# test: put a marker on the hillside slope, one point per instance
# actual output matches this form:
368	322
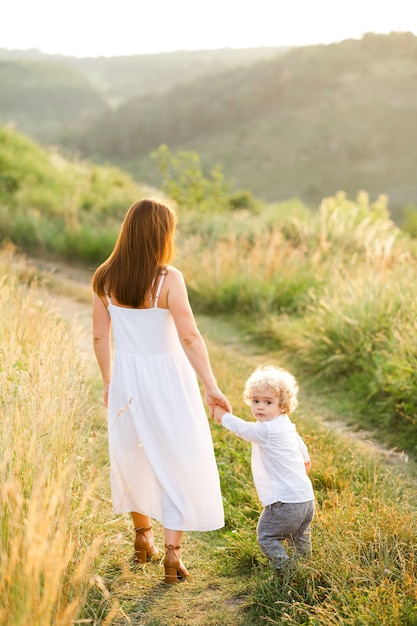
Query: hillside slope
42	99
308	123
121	78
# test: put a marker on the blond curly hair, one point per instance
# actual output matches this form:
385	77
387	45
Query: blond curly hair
275	379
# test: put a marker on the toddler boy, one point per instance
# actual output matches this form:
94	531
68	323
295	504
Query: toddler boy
280	462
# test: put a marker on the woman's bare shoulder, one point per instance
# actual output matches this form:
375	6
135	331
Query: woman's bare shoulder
175	292
174	273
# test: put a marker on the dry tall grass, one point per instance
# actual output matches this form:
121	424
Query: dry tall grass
45	563
334	289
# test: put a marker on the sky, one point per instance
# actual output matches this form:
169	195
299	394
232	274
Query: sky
92	28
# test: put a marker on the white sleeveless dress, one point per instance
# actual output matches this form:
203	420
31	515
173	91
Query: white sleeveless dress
162	460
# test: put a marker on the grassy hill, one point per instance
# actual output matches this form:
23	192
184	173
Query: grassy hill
50	205
66	558
329	294
304	124
333	288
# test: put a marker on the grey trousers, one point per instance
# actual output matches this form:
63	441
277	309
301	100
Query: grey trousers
285	521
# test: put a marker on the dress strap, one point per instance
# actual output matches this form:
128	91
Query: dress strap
158	291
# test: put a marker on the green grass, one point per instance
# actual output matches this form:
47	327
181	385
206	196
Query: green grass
334	288
362	570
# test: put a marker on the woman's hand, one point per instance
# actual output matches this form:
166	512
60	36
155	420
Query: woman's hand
215	397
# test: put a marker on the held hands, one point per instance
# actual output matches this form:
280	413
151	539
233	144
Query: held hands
218	413
215	398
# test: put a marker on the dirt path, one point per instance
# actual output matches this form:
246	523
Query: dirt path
68	289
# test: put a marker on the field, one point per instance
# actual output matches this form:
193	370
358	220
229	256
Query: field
65	558
328	293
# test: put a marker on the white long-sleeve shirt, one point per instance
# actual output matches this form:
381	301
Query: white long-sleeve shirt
278	458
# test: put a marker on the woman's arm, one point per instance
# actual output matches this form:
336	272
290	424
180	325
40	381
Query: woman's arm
191	340
102	342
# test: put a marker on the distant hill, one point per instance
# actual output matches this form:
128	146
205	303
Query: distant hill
300	122
42	99
123	77
307	123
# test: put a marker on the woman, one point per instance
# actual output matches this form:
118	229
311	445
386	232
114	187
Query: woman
161	453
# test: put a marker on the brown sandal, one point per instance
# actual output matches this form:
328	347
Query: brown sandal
145	548
175	569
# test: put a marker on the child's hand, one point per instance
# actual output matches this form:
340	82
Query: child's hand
218	413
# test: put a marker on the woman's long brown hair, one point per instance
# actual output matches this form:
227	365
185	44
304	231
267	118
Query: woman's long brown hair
144	246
